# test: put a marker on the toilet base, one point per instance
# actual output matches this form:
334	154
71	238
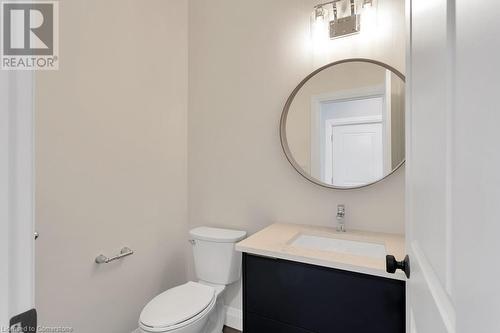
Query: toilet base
217	317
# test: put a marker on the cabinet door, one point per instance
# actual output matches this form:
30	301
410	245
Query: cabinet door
322	300
258	324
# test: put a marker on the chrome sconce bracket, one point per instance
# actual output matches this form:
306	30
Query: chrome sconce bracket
344	21
345	26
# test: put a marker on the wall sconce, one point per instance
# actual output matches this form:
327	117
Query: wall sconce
338	18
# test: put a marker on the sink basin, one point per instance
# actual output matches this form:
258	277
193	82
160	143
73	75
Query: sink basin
365	249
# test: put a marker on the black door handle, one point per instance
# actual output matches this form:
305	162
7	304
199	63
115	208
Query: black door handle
392	265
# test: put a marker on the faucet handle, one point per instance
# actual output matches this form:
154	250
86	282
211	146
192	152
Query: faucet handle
340	211
340	218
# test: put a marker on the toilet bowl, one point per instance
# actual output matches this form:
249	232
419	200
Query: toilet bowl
188	308
198	307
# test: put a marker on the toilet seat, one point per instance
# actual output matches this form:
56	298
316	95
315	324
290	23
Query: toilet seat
178	307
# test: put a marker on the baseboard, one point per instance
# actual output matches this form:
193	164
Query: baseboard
234	318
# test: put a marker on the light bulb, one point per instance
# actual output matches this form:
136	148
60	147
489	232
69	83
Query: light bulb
369	18
319	25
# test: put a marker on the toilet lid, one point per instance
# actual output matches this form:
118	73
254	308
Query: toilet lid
177	305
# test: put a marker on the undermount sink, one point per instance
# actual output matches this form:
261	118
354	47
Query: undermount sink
358	248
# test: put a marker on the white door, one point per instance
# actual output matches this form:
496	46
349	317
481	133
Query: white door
357	154
429	169
453	169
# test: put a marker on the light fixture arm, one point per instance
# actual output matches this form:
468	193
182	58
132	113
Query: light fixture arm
326	3
335	1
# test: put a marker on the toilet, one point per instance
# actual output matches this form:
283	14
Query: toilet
198	307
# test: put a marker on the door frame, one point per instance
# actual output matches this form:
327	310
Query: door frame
317	144
17	196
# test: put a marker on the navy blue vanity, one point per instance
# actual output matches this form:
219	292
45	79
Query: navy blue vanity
281	296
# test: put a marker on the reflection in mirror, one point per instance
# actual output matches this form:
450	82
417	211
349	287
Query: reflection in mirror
344	125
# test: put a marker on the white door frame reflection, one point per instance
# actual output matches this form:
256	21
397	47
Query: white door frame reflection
327	114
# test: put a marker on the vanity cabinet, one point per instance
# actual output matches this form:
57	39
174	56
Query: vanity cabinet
281	296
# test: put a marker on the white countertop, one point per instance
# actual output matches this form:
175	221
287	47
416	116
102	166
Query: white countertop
275	241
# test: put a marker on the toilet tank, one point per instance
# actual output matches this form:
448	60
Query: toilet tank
215	258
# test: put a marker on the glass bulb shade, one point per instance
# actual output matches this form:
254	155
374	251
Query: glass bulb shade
320	21
369	18
320	13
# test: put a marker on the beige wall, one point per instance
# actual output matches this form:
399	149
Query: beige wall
244	60
111	159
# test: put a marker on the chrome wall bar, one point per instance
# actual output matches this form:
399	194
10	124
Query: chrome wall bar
102	259
335	1
326	3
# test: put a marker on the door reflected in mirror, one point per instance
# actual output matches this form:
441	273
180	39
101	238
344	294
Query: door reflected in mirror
344	125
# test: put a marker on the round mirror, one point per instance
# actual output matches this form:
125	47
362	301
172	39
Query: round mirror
343	126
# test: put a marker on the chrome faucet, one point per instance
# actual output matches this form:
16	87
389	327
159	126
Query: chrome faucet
341	218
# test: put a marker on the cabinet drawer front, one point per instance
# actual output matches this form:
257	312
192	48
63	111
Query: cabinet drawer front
321	299
258	324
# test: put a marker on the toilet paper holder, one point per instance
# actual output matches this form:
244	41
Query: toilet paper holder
102	259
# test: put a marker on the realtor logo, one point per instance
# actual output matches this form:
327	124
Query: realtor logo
29	36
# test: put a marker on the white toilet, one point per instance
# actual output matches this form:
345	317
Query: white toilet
198	307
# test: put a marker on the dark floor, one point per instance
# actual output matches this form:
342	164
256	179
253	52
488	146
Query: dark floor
230	330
